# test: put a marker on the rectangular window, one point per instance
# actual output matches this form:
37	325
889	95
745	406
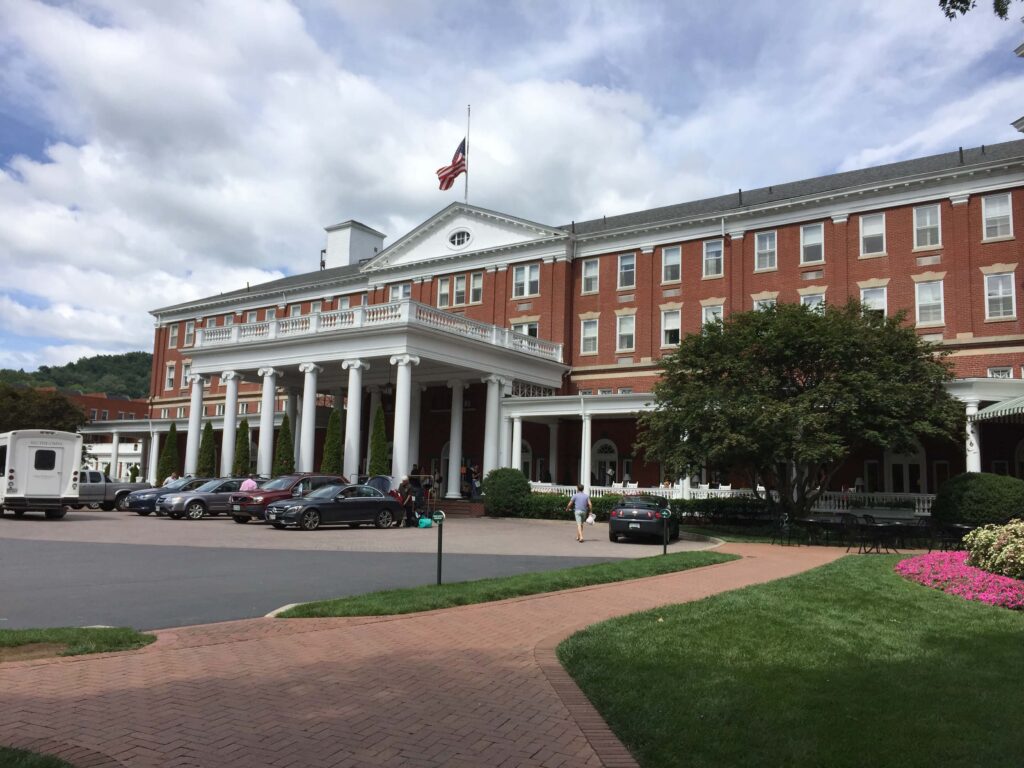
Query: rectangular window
872	234
995	209
92	414
813	300
873	300
999	299
626	333
812	244
444	292
671	264
295	310
526	280
402	291
229	319
218	409
605	391
712	314
315	307
105	415
243	408
588	337
1000	373
180	412
172	336
527	329
45	459
625	390
343	302
713	258
460	290
169	377
929	302
250	316
186	369
163	413
271	313
670	327
190	333
627	270
591	272
764	254
476	288
927	233
764	304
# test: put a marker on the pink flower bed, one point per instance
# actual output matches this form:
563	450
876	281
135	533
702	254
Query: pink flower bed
949	572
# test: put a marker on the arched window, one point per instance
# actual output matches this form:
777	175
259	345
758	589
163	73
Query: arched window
605	462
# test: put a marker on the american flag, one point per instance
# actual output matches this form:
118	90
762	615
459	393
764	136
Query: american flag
449	173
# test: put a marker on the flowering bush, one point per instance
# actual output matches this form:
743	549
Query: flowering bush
949	572
998	548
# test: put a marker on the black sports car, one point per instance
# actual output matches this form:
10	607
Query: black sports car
351	505
642	516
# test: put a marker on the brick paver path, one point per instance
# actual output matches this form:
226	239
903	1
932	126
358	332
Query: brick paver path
473	686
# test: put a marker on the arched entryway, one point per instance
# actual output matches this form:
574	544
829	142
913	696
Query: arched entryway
526	461
605	462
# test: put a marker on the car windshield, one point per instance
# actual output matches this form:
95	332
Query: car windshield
208	486
643	502
278	484
325	492
174	485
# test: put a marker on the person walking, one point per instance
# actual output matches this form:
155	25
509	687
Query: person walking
580	506
249	484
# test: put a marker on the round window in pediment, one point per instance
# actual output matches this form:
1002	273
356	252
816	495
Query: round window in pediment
459	238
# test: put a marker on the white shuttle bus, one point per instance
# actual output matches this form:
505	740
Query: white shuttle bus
40	471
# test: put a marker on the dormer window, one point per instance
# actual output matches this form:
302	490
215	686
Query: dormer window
459	238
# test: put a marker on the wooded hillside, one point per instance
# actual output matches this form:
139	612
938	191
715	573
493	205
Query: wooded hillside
126	375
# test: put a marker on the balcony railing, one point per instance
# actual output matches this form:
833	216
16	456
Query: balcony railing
397	313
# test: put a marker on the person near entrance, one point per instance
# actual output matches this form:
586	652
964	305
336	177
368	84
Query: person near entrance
580	506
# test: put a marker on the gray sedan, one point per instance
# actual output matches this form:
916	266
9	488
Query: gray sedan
211	498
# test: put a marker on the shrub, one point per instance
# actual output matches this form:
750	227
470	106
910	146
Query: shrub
506	493
207	464
168	456
979	498
731	510
380	461
284	451
332	459
998	549
243	461
133	473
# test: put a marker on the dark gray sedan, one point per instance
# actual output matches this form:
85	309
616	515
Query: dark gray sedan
351	505
211	498
143	502
642	517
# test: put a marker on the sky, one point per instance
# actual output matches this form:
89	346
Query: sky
154	152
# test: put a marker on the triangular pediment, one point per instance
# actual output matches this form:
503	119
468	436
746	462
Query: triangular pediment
461	229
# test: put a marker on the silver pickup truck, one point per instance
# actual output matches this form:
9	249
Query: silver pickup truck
96	489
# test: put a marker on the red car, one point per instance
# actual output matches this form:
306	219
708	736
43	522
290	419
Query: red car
252	505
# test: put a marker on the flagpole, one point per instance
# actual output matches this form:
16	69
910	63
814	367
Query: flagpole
466	188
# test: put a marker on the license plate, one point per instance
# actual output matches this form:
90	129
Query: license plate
236	507
271	516
634	525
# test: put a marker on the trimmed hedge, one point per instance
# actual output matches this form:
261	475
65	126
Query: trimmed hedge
506	493
998	549
979	498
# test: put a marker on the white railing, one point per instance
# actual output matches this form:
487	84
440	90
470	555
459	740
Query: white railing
377	315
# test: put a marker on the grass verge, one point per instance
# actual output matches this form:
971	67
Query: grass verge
78	640
19	758
428	598
757	534
846	665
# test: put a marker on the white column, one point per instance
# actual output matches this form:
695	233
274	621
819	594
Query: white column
455	442
154	460
268	405
415	415
585	453
403	412
973	447
353	415
308	416
374	405
553	451
686	485
506	439
227	440
492	447
195	424
115	446
517	442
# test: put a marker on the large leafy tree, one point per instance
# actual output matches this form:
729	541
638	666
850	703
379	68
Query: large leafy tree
207	464
785	395
168	462
242	458
284	451
25	408
380	460
954	8
332	461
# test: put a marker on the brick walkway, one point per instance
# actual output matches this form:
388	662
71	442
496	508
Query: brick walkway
474	686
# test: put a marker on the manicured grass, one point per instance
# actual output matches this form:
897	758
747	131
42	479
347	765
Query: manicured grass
78	640
395	601
846	665
19	758
753	533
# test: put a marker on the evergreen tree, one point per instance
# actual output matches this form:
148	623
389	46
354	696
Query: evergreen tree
380	463
168	456
332	462
207	466
242	459
284	452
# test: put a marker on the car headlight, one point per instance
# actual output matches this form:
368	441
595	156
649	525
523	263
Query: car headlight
294	509
257	499
174	499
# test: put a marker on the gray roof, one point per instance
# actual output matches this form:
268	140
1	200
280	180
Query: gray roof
730	204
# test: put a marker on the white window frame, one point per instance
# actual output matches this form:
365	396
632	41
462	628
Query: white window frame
589	264
919	228
760	304
243	407
444	292
804	245
180	414
720	258
815	301
918	305
524	278
667	326
186	370
586	338
985	202
229	319
250	316
400	291
190	333
1006	277
343	302
870	219
316	307
1000	372
218	409
170	376
525	328
624	259
885	299
672	259
459	291
163	413
765	257
711	313
172	336
295	310
271	314
476	288
620	332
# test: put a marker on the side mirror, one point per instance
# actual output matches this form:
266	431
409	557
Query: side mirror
296	491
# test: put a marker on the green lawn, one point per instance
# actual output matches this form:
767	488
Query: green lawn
18	758
846	665
78	640
428	598
753	533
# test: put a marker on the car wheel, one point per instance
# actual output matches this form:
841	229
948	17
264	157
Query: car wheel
55	514
107	506
239	519
279	526
19	513
613	536
384	519
310	520
195	510
122	502
143	512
